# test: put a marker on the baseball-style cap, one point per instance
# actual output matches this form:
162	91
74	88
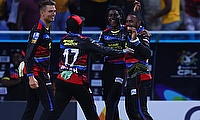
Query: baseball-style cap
13	51
74	21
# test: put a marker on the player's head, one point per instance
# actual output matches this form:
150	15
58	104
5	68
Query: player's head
17	56
134	19
114	16
44	3
47	10
75	24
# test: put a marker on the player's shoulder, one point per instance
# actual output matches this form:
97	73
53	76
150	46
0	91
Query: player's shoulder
106	30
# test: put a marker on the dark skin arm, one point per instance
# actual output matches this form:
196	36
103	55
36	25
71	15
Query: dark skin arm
9	83
143	47
137	6
168	5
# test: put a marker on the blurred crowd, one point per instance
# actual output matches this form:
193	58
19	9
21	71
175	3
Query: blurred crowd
157	15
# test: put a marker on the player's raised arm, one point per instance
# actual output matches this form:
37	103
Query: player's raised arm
137	6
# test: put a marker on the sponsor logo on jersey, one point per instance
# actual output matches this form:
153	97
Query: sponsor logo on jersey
133	92
35	37
70	43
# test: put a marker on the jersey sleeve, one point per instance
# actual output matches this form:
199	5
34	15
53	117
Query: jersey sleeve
92	46
34	38
143	48
6	75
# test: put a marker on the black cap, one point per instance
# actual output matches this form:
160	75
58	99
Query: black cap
13	51
74	22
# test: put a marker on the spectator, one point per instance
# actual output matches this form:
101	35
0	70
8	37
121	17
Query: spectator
37	59
62	13
3	15
12	19
28	14
192	17
15	84
170	14
9	4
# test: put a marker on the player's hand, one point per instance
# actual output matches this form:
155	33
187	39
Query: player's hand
137	6
133	32
21	69
129	50
145	33
33	82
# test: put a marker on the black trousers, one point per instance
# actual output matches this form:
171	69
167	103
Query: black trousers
113	81
64	93
136	99
44	94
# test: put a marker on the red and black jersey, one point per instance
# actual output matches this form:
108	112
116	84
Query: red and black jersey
38	49
74	55
141	50
140	57
116	40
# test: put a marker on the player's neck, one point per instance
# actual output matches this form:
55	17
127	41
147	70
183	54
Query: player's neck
46	22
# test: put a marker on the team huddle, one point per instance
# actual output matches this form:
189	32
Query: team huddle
125	48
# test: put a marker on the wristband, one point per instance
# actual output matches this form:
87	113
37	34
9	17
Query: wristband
135	40
136	43
30	74
124	51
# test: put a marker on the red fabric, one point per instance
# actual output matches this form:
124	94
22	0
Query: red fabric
74	79
130	59
77	18
39	26
145	77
